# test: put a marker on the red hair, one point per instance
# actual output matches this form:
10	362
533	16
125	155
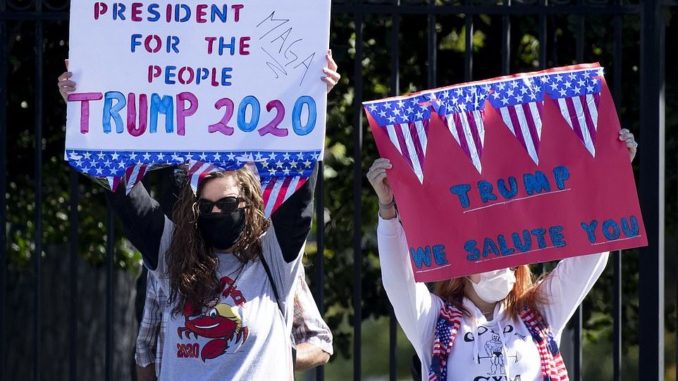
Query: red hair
524	292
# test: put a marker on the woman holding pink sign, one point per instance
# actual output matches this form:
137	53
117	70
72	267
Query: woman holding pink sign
495	325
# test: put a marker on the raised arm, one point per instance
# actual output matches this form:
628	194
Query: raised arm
292	220
415	307
142	220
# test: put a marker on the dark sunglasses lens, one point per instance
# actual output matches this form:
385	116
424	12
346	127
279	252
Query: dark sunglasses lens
205	206
228	204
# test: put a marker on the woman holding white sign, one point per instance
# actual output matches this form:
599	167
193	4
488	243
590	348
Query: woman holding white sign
228	269
493	325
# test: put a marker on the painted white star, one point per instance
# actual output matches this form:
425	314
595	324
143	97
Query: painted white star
558	77
217	156
401	104
563	92
462	107
514	84
115	156
420	115
271	172
533	96
121	165
230	156
279	164
468	98
307	163
387	105
286	171
265	164
396	112
391	119
107	163
505	101
554	86
501	86
523	90
510	92
382	113
133	156
568	84
147	156
99	171
372	107
101	155
78	163
545	79
87	155
519	98
577	90
294	163
589	89
409	110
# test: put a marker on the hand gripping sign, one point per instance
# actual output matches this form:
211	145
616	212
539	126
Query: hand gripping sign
214	85
514	170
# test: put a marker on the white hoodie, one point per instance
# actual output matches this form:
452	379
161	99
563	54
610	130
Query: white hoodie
497	350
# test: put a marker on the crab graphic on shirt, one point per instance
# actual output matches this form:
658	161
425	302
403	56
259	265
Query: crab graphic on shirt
219	322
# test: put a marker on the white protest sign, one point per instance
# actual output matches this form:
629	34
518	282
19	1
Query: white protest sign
220	83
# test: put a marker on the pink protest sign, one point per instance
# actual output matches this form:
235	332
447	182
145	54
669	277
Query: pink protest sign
514	170
210	84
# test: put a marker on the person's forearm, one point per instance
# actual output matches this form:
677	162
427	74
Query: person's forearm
146	373
309	356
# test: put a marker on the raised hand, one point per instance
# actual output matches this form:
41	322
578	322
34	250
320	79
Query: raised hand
330	75
631	144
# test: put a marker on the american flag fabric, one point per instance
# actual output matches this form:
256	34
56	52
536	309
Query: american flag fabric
520	102
577	94
406	122
447	327
552	365
198	170
281	173
462	111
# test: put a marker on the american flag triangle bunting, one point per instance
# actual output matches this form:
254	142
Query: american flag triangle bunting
520	102
577	95
406	122
462	112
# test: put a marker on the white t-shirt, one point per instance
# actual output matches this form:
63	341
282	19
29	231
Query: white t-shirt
241	336
497	350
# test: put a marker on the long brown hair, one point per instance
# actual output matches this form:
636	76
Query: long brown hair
524	293
192	265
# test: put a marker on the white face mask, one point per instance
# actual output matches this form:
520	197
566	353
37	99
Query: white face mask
495	285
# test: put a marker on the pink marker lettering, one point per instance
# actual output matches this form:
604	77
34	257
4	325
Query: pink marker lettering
84	107
183	112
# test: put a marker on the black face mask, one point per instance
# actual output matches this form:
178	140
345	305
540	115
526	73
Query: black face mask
221	230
